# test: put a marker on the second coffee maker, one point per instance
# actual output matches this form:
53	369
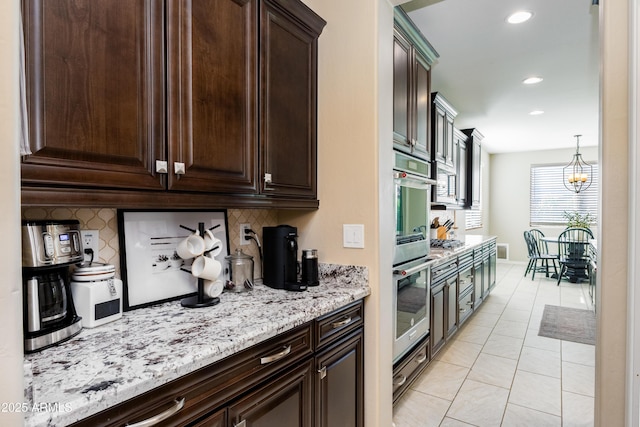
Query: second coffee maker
280	263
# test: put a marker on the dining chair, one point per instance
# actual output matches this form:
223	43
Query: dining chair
572	253
535	255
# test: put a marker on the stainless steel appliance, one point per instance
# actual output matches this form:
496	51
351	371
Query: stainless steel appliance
280	259
411	207
411	284
411	274
49	248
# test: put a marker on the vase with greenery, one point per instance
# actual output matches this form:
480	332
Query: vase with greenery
576	219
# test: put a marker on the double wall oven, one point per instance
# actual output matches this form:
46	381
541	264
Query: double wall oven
411	271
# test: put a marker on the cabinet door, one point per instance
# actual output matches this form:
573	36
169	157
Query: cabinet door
437	319
422	111
95	92
217	419
439	130
211	105
401	92
451	297
339	385
478	286
288	98
476	170
448	141
284	402
462	171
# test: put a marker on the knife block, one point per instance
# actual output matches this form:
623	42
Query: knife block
442	233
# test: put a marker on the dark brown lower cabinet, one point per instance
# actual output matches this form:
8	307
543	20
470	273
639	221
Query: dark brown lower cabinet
339	384
312	372
283	402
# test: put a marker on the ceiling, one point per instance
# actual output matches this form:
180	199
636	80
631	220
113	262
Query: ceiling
483	61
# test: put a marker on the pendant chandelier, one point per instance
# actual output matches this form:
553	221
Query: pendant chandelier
578	174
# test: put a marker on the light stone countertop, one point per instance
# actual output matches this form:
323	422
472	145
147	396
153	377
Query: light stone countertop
149	347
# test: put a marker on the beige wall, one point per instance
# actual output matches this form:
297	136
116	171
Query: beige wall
509	188
613	242
11	370
350	76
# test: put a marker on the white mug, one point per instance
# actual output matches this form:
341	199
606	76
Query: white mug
190	247
206	268
213	288
211	241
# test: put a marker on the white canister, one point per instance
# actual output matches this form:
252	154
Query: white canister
97	294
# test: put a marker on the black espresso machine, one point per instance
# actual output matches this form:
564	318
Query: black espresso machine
49	248
280	263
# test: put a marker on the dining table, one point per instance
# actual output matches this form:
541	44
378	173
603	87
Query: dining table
573	274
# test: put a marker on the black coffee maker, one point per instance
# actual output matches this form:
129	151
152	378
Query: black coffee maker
49	248
280	259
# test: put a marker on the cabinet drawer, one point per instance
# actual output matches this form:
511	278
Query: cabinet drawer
332	326
409	368
211	387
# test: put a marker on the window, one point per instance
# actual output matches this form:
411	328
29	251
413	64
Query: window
472	219
550	198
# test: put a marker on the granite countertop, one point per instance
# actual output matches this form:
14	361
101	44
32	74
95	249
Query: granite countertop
149	347
470	242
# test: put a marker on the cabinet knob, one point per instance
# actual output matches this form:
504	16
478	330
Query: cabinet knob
161	166
178	168
323	372
267	178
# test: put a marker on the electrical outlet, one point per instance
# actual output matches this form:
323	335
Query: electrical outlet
243	233
90	240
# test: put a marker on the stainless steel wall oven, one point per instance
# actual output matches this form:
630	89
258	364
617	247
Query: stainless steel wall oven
411	274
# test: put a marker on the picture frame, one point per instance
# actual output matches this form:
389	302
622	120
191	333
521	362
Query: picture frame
151	272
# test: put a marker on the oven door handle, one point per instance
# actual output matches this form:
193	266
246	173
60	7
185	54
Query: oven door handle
410	271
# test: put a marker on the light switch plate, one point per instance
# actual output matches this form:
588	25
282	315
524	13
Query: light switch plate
353	235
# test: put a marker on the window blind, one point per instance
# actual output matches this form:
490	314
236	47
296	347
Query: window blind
472	219
549	198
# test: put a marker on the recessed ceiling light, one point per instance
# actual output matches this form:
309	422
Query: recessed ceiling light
532	80
519	17
536	112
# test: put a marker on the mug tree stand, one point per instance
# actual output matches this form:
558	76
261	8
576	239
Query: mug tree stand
199	300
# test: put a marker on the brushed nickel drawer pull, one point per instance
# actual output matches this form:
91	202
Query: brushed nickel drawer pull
343	322
401	382
268	359
421	360
177	405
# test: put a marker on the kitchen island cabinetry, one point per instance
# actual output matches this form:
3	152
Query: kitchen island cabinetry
109	126
412	60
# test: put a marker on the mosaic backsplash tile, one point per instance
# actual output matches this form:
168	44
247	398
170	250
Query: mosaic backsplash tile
106	222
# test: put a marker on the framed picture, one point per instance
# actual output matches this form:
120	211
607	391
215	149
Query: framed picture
151	270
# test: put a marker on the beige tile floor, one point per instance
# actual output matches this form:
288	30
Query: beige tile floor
497	371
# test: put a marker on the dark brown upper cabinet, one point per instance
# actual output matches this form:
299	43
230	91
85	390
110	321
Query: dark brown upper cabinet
288	98
127	97
474	167
412	60
442	136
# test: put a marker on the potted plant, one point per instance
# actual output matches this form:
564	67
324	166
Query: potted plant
576	219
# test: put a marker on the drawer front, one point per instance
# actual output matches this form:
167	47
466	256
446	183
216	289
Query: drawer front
465	305
409	368
332	326
212	386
